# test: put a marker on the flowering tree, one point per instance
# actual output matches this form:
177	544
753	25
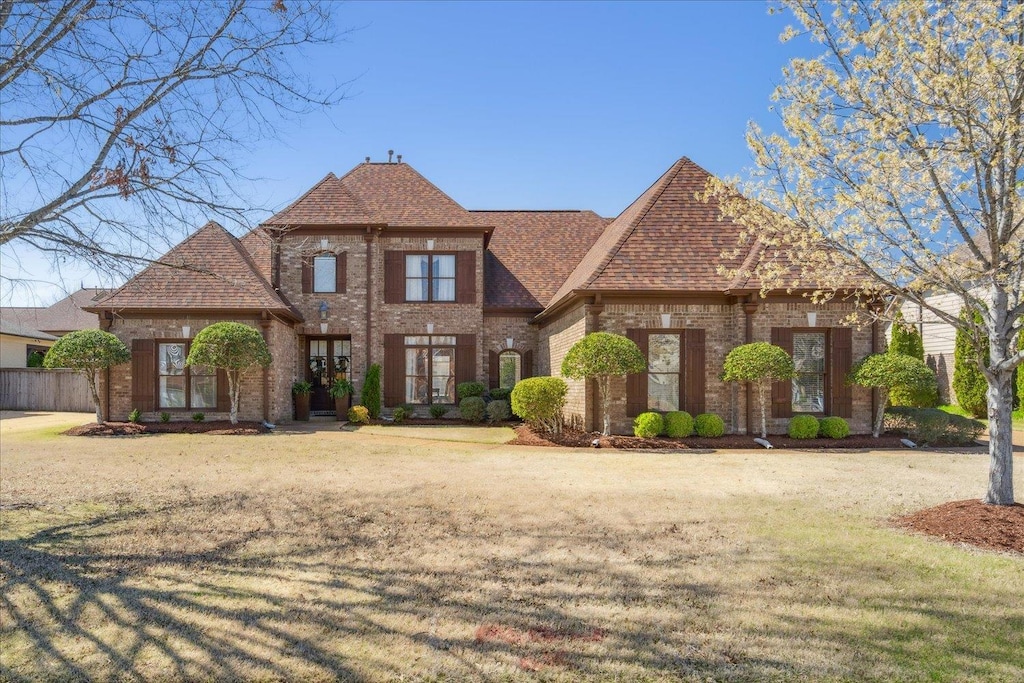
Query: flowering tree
760	363
232	347
88	352
603	355
900	168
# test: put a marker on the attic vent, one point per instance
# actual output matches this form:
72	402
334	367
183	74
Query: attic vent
391	153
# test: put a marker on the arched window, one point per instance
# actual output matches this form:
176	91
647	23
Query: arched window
510	369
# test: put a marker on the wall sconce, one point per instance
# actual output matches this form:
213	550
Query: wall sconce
666	320
509	342
430	328
812	318
323	310
324	243
186	330
430	245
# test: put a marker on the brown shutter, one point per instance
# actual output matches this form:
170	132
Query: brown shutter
693	384
223	395
527	368
840	363
394	369
394	277
782	392
465	277
636	383
465	358
340	273
493	369
143	374
307	274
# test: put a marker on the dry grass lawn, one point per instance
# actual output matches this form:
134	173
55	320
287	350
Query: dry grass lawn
369	555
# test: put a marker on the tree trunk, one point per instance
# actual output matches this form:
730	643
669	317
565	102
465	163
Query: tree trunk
233	393
764	417
93	377
883	400
999	375
602	387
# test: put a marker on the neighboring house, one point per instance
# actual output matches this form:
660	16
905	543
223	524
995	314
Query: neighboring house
380	266
67	315
18	342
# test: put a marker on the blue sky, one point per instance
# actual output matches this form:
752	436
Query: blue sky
525	105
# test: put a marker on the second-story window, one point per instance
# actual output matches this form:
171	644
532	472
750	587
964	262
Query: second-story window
325	273
430	277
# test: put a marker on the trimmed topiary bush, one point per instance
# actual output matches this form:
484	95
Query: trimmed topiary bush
234	348
906	341
469	389
437	411
370	397
803	427
648	425
501	394
759	363
539	401
833	428
601	356
709	425
473	409
678	424
885	371
498	411
359	415
88	352
969	384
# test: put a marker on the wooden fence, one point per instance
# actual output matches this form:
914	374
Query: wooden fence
39	389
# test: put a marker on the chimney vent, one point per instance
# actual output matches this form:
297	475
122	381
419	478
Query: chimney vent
399	157
367	159
391	153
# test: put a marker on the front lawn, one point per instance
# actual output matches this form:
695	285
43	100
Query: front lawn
1018	415
377	555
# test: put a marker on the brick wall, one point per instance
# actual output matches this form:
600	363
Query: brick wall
498	330
554	341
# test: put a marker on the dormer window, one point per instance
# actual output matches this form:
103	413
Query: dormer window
430	277
325	273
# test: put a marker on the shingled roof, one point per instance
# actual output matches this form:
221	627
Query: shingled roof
67	315
669	239
210	270
532	252
389	194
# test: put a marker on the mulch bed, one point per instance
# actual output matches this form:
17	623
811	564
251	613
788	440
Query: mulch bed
526	436
136	428
994	527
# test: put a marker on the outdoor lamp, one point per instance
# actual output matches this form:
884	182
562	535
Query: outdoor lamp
812	318
666	320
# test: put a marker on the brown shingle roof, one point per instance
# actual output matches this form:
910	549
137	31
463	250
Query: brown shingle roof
209	270
668	239
532	252
65	316
376	193
258	243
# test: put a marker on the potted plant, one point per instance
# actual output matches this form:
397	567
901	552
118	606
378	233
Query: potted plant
340	390
301	391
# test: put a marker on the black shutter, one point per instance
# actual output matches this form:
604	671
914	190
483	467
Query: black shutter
636	383
493	369
465	277
465	358
143	375
693	385
394	369
394	277
527	368
340	273
782	392
840	363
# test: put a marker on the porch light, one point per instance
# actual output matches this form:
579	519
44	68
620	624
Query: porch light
430	328
186	330
666	320
812	318
323	310
324	243
430	245
509	342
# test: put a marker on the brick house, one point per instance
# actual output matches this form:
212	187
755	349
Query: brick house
380	266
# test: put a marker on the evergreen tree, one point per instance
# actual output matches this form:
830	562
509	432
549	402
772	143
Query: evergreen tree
907	341
969	383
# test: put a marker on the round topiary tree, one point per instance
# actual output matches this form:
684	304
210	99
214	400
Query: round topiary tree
885	371
88	352
906	341
539	401
760	363
969	383
603	355
232	347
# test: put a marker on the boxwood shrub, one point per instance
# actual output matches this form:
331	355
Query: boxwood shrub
469	389
803	427
539	401
709	425
648	425
678	424
438	410
833	428
473	409
500	394
930	425
498	411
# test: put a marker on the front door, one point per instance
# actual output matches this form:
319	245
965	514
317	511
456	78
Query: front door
329	358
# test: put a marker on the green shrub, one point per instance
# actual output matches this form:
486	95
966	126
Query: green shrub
601	356
359	415
929	425
473	409
803	427
233	348
709	425
35	359
469	389
399	414
969	383
539	401
437	411
301	387
833	428
340	388
759	363
678	424
501	394
198	417
498	411
962	431
88	352
165	417
135	415
648	425
887	371
370	396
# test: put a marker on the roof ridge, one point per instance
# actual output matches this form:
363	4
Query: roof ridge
530	210
664	181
